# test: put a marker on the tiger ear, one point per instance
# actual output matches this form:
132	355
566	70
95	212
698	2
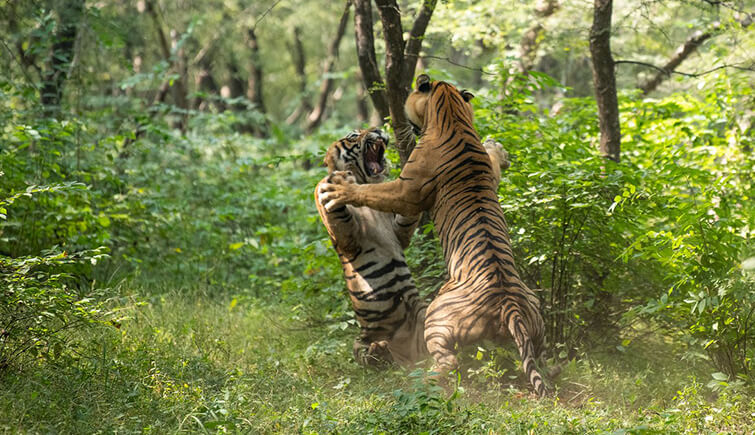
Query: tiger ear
466	95
423	83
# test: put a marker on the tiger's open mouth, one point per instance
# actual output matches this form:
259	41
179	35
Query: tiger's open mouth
373	156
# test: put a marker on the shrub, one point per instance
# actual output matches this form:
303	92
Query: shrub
40	301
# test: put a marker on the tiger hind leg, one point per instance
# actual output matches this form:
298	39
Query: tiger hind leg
372	353
440	338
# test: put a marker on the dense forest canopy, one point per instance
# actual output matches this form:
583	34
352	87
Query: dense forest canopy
163	266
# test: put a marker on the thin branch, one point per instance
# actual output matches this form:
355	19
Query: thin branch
685	74
447	59
317	114
23	69
416	35
265	13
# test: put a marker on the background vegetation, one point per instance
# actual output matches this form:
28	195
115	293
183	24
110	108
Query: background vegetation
163	268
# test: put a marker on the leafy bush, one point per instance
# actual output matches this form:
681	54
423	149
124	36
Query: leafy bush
39	301
659	235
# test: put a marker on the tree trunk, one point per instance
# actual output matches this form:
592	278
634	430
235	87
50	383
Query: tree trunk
365	42
316	116
206	83
363	111
180	90
604	80
254	79
178	86
61	55
390	15
299	60
235	88
689	47
533	36
400	64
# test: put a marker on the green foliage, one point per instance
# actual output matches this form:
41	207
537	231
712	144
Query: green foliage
39	302
161	279
661	234
194	361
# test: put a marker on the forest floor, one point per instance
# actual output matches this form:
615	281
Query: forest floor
192	361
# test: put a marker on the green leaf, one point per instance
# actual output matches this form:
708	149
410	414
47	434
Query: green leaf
104	221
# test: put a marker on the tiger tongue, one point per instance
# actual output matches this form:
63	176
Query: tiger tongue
374	167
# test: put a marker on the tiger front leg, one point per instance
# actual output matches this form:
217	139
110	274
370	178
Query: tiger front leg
398	196
404	227
339	221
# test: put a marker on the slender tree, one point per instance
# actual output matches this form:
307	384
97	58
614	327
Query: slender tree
604	80
55	72
533	36
400	62
316	116
300	63
176	62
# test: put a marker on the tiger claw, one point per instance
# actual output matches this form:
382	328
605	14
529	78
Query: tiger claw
328	201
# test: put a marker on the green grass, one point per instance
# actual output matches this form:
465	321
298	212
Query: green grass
201	362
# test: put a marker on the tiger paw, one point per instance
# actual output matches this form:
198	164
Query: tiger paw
341	177
374	354
496	152
338	190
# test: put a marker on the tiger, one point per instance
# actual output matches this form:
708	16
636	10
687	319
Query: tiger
370	245
449	174
359	158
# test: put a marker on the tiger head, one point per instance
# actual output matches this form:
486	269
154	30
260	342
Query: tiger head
363	153
416	103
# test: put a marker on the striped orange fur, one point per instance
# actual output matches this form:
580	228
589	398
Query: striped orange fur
450	174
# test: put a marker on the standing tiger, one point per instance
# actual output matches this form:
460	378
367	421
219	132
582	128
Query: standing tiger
450	174
370	245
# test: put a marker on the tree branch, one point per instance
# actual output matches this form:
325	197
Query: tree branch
686	74
365	43
316	116
682	53
461	65
416	36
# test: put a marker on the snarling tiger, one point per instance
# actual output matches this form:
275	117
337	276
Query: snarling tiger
370	245
450	174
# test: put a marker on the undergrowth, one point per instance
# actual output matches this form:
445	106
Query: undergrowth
192	361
